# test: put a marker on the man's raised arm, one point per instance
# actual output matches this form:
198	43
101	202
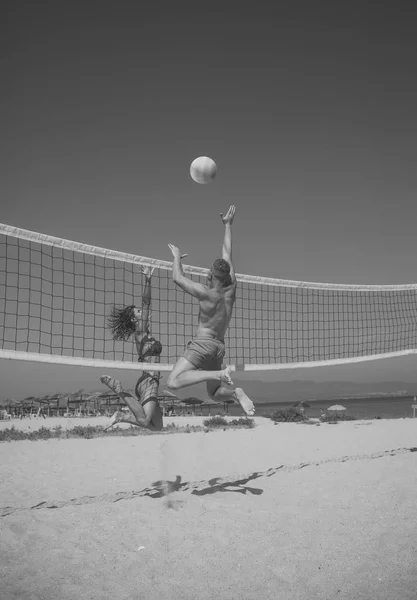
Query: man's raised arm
188	285
177	272
227	242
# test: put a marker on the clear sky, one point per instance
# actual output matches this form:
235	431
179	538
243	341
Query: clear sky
310	115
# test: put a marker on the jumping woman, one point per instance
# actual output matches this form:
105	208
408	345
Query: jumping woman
123	323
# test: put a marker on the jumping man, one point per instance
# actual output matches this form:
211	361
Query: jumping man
204	355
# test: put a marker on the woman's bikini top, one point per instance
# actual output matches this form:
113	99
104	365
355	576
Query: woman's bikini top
154	349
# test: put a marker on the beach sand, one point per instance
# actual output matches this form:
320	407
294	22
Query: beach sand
34	423
280	511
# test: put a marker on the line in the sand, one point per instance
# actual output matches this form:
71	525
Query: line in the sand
237	484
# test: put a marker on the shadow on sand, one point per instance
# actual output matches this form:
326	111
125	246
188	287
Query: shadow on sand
160	489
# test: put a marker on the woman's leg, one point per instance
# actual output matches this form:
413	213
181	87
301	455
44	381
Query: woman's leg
153	418
146	390
154	415
147	417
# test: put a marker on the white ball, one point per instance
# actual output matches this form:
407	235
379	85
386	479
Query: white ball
203	169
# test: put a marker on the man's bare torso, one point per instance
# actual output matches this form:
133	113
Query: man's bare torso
216	311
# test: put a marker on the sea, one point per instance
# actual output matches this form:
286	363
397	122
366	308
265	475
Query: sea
360	408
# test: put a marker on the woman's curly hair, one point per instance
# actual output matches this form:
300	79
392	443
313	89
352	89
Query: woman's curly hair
121	322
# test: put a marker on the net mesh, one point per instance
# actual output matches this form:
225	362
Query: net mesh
55	297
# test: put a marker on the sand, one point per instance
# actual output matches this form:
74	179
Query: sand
288	511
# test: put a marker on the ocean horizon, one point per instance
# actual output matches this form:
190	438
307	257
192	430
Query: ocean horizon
360	408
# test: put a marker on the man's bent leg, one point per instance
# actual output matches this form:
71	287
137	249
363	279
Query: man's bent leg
221	393
185	374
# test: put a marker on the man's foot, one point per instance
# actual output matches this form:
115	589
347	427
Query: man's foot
245	402
115	418
112	383
225	376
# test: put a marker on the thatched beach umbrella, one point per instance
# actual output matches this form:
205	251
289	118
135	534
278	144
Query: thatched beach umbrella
56	402
209	402
12	403
226	402
167	395
103	400
77	398
47	401
29	403
29	400
43	400
191	400
109	400
182	405
167	399
91	400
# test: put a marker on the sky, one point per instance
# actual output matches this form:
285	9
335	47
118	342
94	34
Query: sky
308	111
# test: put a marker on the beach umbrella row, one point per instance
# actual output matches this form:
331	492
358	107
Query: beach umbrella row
108	399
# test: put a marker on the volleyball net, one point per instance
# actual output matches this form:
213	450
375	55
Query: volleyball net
56	295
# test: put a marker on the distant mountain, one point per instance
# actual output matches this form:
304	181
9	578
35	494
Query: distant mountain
293	391
296	390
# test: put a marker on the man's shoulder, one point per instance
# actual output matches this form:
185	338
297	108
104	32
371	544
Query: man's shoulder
205	290
229	291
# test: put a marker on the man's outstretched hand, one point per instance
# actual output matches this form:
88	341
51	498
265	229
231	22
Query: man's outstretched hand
176	252
228	218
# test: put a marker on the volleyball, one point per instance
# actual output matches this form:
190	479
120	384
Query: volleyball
203	169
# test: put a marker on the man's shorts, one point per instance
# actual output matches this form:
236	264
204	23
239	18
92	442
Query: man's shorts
205	353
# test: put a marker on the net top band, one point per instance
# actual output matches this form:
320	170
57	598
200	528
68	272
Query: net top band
42	238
